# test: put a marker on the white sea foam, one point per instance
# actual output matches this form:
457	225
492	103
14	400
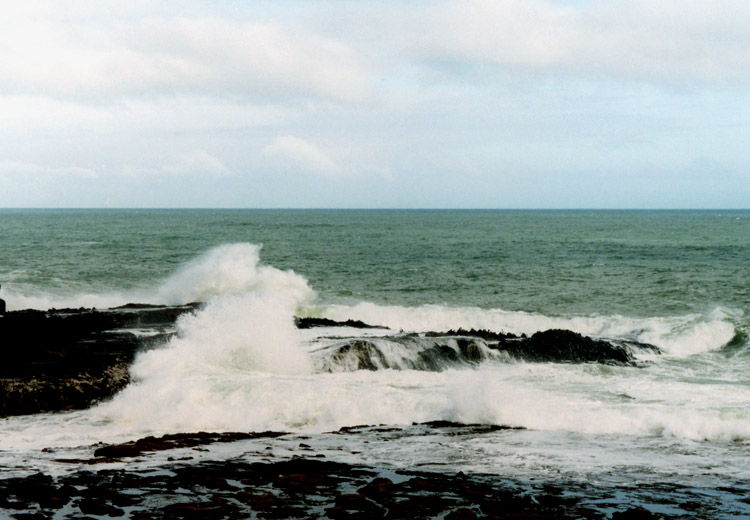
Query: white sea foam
246	328
676	335
566	398
231	269
588	400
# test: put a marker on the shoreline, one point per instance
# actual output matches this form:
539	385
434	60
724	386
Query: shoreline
176	476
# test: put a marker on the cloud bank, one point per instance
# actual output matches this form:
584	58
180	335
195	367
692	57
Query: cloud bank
478	103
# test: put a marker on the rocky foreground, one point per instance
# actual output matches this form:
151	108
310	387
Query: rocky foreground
117	482
69	359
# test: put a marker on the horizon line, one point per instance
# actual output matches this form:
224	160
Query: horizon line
384	208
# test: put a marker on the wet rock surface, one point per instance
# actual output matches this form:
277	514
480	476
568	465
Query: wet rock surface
311	323
176	440
435	351
279	475
106	486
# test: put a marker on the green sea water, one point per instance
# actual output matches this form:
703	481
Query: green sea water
632	263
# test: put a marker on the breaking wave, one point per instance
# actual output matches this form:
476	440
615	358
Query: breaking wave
239	363
676	335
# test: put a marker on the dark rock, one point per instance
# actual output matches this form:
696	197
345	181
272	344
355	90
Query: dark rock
505	503
355	505
378	489
303	483
440	351
90	506
564	346
259	501
634	513
30	516
483	334
176	440
467	429
54	500
366	355
461	514
118	451
309	323
216	509
420	506
69	359
305	488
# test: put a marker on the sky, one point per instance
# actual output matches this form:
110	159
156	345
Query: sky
344	104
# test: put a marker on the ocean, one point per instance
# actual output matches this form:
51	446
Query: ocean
678	280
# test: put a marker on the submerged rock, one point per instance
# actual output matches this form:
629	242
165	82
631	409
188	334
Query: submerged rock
310	323
439	351
564	346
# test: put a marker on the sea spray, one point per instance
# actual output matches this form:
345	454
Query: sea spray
231	269
204	376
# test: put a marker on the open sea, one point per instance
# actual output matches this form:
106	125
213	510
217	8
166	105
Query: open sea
679	280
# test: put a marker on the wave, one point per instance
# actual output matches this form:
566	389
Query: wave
226	270
440	351
240	364
577	398
675	335
233	270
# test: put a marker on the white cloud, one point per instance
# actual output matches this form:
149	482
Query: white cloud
104	58
668	41
195	164
29	171
302	154
198	162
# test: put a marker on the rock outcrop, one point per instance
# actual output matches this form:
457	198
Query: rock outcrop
68	359
435	351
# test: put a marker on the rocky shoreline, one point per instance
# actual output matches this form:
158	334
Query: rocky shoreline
116	482
70	359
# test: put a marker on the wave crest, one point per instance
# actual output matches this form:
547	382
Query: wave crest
677	336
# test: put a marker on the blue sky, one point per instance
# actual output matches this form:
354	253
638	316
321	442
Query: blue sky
469	104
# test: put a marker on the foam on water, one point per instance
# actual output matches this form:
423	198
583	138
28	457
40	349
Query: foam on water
231	270
676	335
589	400
240	364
